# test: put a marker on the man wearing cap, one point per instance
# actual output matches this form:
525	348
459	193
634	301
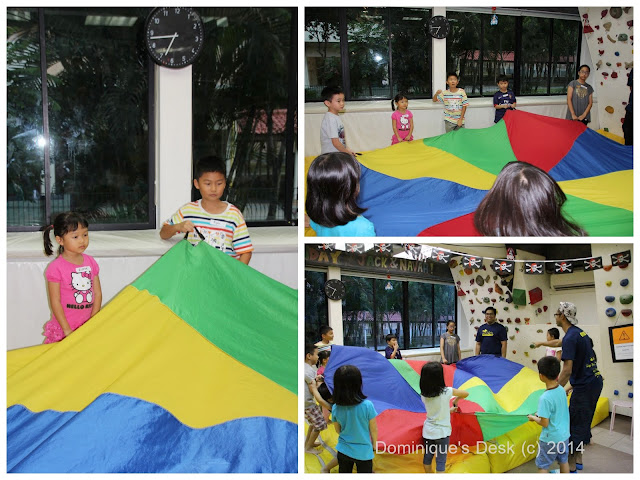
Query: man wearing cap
580	369
491	337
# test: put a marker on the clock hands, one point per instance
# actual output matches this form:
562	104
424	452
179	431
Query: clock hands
172	37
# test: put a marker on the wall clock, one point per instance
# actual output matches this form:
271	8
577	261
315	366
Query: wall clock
334	289
438	26
174	36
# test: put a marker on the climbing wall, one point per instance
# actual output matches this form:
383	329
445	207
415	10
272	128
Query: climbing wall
609	35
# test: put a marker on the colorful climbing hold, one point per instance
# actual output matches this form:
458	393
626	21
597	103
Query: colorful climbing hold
629	382
532	346
606	268
545	308
609	298
626	299
539	330
479	281
610	312
609	109
624	282
626	312
608	283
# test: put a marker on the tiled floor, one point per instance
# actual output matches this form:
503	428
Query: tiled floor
607	452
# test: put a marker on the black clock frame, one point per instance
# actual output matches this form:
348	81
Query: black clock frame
184	39
439	21
338	287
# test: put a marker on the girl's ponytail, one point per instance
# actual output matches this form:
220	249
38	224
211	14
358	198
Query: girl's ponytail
46	237
393	109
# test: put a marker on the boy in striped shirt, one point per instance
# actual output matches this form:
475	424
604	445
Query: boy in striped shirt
455	103
221	223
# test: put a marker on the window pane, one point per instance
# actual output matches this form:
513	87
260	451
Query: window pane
368	38
565	48
411	52
388	311
357	312
498	57
98	113
25	152
444	307
463	54
315	305
240	97
536	34
420	315
322	51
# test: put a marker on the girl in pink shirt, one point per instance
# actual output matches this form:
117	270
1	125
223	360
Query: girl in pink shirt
401	120
72	278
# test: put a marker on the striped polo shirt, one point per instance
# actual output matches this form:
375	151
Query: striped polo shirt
453	103
226	231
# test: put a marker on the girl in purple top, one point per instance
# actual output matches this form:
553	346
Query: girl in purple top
73	285
401	120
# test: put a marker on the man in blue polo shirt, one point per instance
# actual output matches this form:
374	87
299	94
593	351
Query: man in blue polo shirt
492	336
580	369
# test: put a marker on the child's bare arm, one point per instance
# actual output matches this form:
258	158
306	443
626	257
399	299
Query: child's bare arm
53	289
313	388
461	119
435	96
395	129
373	431
338	144
167	231
245	257
550	343
410	129
543	422
97	296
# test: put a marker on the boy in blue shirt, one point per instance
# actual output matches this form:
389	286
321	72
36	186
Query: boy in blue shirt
503	99
553	417
392	350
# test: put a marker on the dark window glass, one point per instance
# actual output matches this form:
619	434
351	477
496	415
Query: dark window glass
315	305
357	312
322	51
498	58
413	311
388	310
536	36
565	48
98	117
410	52
463	51
243	91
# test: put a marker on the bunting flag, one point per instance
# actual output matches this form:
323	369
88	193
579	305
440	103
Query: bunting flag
621	259
594	263
433	186
469	261
382	248
355	247
327	247
563	266
534	268
503	267
413	249
174	375
440	255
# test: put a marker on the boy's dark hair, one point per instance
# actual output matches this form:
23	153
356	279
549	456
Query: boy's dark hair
333	184
390	336
452	74
524	201
324	329
308	349
328	93
432	380
503	78
208	164
549	367
495	312
347	386
554	332
63	223
322	355
324	392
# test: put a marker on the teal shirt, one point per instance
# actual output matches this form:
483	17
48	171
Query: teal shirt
360	227
354	439
553	405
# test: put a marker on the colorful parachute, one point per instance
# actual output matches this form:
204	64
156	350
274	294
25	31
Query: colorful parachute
176	374
433	186
491	409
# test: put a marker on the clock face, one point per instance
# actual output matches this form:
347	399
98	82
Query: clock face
174	36
438	26
334	289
